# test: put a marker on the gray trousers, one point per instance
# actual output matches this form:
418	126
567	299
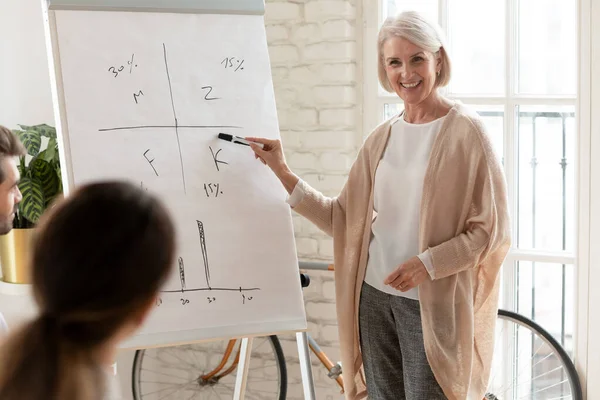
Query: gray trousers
391	339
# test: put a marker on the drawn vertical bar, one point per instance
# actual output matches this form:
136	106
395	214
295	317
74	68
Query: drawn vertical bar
181	273
204	253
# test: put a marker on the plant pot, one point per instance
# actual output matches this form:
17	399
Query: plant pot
15	250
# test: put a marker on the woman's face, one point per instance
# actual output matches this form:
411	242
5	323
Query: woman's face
411	70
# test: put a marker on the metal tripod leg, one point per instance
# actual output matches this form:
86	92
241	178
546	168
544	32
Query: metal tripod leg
305	366
242	369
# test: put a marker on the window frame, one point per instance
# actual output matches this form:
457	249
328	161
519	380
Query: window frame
587	174
588	251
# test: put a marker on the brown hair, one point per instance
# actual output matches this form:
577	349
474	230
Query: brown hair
10	146
99	260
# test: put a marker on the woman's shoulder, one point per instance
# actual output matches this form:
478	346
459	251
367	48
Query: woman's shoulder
467	126
467	118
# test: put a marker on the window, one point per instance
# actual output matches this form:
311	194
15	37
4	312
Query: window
515	63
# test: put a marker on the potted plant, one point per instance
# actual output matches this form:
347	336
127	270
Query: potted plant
40	184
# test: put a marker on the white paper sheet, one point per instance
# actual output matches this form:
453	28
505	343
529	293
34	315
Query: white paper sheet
145	96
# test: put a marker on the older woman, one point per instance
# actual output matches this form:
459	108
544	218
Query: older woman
420	231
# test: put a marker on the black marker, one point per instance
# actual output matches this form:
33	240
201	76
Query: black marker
238	140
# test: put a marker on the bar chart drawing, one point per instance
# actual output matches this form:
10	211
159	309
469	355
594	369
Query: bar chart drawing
206	266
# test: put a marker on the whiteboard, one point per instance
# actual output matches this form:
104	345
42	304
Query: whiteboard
142	96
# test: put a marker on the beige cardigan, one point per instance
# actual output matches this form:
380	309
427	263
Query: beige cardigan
464	222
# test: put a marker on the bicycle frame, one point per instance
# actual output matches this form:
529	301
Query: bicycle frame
334	370
213	375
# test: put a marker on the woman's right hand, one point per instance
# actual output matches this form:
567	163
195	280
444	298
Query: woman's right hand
272	156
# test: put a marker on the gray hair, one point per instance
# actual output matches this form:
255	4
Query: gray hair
423	33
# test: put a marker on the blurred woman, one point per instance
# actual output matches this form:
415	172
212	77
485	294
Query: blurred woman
99	260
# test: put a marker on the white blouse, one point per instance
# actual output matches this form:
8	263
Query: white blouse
397	203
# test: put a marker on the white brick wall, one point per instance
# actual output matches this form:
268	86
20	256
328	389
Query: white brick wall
313	47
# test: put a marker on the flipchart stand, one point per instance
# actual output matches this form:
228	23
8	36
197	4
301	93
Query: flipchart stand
303	353
252	7
305	367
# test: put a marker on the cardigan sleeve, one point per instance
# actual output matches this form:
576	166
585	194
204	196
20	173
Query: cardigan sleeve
487	228
320	209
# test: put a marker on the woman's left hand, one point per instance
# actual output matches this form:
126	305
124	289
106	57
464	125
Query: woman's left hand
408	275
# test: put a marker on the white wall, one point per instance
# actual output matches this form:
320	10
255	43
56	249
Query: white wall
314	49
25	96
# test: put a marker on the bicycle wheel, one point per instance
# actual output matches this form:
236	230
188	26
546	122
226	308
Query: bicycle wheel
529	363
208	371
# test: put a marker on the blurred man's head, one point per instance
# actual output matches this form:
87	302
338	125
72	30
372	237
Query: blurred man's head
10	196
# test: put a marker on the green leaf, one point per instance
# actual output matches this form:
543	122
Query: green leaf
33	203
45	173
51	150
42	129
31	140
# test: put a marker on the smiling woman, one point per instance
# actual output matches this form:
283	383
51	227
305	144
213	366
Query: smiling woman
416	284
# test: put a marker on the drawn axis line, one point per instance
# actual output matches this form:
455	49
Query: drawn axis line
124	128
212	289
